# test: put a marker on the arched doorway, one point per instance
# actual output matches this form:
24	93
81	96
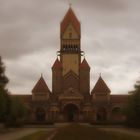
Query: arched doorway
71	113
101	114
40	114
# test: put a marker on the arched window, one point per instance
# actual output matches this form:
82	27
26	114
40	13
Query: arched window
70	35
101	114
40	114
116	114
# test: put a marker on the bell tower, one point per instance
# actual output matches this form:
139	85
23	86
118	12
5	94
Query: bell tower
70	49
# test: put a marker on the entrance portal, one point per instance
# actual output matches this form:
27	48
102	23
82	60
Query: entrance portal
71	113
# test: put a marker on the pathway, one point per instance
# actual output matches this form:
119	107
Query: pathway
21	132
124	130
18	133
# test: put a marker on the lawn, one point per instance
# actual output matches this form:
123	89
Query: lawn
80	132
40	135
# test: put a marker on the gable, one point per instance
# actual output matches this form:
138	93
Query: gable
41	87
70	32
101	87
71	80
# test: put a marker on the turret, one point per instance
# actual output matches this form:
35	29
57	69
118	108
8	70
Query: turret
40	92
101	91
56	77
84	77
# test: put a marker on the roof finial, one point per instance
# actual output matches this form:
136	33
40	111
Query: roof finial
100	74
70	4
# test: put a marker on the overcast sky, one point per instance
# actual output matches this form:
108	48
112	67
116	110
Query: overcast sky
30	37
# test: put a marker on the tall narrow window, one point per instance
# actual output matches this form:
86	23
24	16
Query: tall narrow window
70	35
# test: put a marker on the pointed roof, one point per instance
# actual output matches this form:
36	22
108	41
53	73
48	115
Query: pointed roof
41	86
70	17
100	87
57	64
84	65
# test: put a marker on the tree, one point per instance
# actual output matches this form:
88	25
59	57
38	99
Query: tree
3	92
17	112
12	110
133	107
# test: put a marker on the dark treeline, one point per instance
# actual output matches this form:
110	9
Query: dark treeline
12	110
132	109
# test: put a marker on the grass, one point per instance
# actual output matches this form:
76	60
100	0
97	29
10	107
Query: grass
40	135
79	132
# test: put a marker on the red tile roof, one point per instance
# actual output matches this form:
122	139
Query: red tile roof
70	17
57	64
84	65
119	98
41	86
100	87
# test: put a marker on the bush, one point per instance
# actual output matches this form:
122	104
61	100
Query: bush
132	109
3	93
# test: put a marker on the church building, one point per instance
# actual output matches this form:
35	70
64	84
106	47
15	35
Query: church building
70	98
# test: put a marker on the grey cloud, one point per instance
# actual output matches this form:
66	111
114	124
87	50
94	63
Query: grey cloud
24	72
21	41
25	27
101	4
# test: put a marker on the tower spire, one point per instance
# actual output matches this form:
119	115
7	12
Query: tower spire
70	17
